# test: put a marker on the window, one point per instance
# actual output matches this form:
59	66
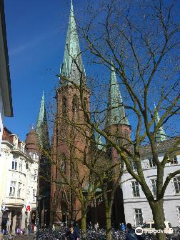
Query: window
177	184
19	190
64	106
135	188
35	175
153	186
138	217
152	162
34	195
63	163
75	104
12	189
14	164
174	160
20	166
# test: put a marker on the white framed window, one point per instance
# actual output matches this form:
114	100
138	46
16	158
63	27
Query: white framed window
176	181
135	189
35	175
14	164
138	216
19	190
20	166
174	160
154	186
34	195
12	189
151	162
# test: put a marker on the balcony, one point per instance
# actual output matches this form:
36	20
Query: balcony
14	202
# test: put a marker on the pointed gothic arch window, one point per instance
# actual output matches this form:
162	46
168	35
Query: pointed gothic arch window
63	163
64	106
75	106
85	108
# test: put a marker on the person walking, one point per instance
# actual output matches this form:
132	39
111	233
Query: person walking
130	234
72	234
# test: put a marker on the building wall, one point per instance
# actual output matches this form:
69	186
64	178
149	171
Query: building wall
22	169
171	199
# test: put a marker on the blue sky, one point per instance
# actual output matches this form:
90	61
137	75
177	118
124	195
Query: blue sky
36	31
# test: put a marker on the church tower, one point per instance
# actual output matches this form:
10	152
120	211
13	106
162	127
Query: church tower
117	123
118	128
44	166
69	140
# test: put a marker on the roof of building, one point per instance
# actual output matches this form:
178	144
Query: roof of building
42	126
32	142
162	146
5	81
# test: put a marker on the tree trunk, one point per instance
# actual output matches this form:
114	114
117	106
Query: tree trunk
108	224
158	216
83	222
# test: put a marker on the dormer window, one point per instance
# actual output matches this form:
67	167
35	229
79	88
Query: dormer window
152	162
174	160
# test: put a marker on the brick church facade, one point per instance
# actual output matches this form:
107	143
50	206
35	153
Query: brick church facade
71	138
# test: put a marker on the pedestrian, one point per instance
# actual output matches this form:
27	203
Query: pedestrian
29	229
123	226
131	235
96	226
71	234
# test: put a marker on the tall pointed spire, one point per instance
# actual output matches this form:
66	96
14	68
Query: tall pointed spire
42	126
116	112
72	53
160	134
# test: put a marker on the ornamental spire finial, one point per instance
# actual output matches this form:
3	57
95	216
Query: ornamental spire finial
160	134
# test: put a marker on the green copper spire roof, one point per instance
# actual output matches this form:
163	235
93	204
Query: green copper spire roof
42	127
72	51
116	112
160	135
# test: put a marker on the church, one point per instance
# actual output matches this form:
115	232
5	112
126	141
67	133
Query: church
72	149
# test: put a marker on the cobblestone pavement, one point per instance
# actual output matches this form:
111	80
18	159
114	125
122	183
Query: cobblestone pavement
23	237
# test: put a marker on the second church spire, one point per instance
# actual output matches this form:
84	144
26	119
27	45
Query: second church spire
72	65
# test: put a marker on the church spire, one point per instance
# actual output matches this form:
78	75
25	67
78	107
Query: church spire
42	126
72	53
115	112
160	134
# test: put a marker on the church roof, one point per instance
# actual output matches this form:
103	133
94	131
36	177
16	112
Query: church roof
42	126
115	112
72	53
160	134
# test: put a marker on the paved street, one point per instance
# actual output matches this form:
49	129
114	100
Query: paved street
31	237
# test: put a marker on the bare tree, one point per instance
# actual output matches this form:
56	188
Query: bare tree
140	40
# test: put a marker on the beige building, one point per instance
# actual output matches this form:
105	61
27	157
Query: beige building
18	187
